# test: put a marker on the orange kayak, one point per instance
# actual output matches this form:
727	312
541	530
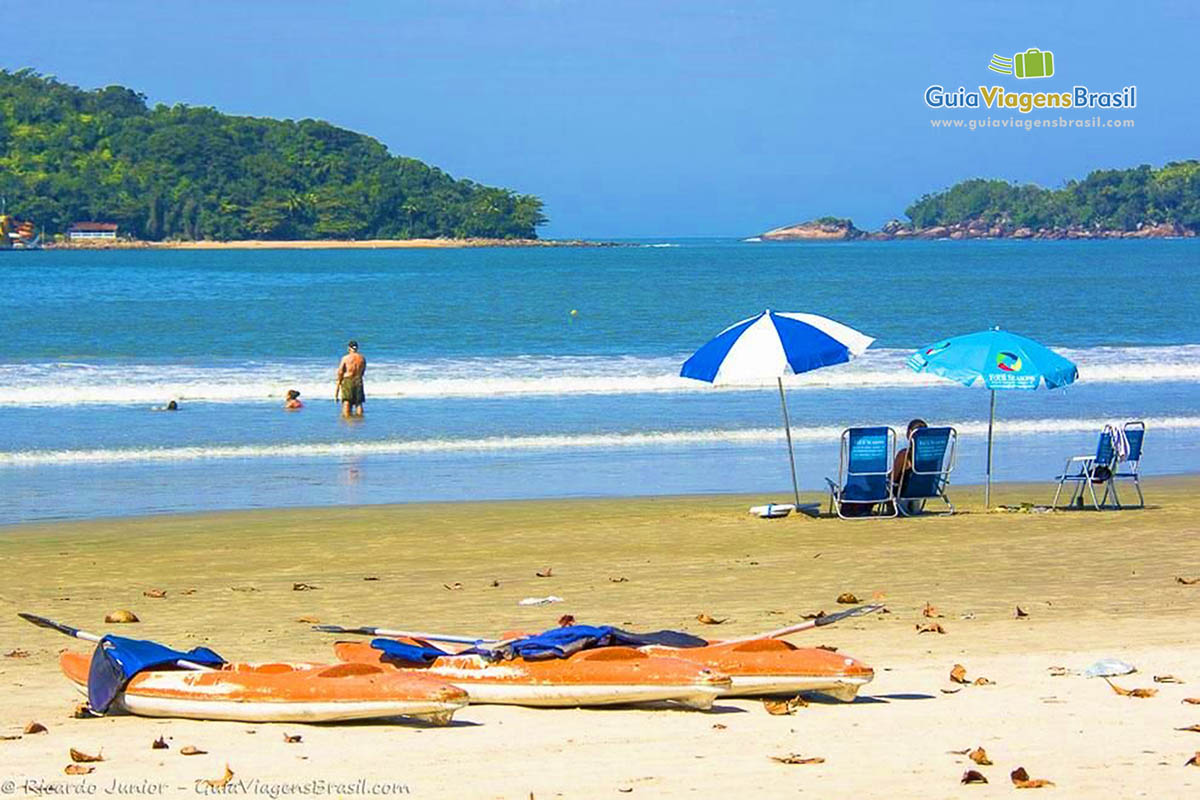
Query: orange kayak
280	692
774	666
604	676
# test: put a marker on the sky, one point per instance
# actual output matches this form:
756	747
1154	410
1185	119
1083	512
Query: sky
636	118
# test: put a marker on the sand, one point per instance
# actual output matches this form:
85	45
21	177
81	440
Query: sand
1094	585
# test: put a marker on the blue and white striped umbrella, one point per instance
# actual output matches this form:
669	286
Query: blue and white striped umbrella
775	344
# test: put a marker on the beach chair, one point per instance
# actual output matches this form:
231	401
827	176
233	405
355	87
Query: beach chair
1135	434
864	472
933	452
1089	471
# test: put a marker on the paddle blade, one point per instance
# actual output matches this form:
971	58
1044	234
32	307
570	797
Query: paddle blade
43	622
857	611
340	629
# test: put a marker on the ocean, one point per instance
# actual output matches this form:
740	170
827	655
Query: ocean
482	385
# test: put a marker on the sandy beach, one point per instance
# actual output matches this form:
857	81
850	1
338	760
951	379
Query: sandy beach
1093	585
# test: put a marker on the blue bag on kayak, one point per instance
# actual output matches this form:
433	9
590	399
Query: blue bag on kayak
118	660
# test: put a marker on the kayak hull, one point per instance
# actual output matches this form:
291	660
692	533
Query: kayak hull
607	676
279	693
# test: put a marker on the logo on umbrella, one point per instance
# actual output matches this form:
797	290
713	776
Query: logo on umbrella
937	348
1008	362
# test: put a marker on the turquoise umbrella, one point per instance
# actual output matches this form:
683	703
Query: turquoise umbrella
1003	360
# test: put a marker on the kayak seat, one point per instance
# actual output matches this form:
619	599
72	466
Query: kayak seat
272	669
348	670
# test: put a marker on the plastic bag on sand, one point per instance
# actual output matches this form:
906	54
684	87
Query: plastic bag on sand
539	601
1108	667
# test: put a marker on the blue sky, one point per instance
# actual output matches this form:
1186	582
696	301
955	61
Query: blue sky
636	119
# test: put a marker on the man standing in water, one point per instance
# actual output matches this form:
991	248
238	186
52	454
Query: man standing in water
350	380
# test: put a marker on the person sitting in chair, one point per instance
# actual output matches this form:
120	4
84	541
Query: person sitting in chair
902	467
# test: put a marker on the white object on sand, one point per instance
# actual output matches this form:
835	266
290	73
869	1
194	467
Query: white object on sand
1108	667
539	601
773	510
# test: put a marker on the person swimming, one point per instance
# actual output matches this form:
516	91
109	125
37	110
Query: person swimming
170	406
293	400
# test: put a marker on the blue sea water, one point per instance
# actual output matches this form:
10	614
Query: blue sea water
482	385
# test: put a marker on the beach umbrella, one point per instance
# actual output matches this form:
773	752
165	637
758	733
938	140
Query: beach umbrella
775	344
1002	360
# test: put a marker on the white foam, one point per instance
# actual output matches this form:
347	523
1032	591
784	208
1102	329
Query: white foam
659	439
74	383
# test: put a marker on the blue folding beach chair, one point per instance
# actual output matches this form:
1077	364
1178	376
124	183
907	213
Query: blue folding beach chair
1090	471
933	451
1135	434
864	474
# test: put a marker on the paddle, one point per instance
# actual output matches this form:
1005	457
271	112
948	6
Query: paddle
432	637
43	622
828	619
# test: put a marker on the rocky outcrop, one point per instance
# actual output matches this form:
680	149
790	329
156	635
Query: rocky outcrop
826	229
830	229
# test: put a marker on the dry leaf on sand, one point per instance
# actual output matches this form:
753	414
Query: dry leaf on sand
827	647
308	619
81	711
35	727
983	682
618	579
303	587
294	738
717	726
189	750
707	620
217	783
1021	780
1190	728
18	653
930	611
782	707
452	587
243	589
817	615
1058	672
188	591
1187	581
159	744
955	690
973	776
1191	701
1020	613
78	769
958	673
931	627
495	584
371	578
83	758
1194	761
121	615
848	599
980	757
157	594
1166	679
566	620
548	572
796	758
1131	692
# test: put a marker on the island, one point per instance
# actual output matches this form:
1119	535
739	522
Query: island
101	168
1137	203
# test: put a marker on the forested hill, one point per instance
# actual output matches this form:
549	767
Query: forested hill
1109	200
180	172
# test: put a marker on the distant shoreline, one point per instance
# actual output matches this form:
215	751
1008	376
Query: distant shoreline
323	244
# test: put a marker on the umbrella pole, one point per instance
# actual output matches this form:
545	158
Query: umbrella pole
987	489
787	427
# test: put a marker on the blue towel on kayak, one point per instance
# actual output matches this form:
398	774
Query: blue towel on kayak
117	660
554	643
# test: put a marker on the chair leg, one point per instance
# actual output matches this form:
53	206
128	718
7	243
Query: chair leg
1092	488
1137	484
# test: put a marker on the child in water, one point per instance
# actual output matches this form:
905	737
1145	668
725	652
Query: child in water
293	400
